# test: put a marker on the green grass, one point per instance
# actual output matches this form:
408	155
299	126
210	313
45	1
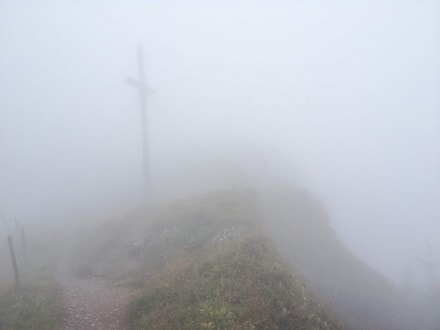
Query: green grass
201	263
196	282
35	306
244	286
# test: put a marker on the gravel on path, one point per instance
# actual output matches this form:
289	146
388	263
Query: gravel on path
94	304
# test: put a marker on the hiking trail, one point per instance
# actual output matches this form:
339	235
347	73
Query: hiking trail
94	303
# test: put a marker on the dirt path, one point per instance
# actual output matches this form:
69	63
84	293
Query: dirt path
94	304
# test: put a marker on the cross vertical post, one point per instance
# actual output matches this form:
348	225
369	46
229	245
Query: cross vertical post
141	86
14	262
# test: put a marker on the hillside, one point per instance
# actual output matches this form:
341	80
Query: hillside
228	259
299	226
223	260
201	263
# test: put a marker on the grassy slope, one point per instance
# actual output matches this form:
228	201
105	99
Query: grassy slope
362	297
35	306
245	286
204	264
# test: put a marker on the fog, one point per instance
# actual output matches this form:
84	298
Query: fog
341	96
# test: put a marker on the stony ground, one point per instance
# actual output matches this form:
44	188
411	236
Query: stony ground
94	304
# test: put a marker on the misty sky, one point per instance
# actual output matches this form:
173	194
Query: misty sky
346	92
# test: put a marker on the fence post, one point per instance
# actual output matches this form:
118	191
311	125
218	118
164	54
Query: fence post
23	245
14	262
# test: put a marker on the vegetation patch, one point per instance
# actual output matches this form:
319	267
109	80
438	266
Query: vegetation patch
213	269
36	305
201	263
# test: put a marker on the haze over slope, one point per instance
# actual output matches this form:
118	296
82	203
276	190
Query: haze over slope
364	299
210	252
198	263
347	91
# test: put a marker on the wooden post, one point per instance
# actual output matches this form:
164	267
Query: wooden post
141	85
144	118
16	233
23	245
14	262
